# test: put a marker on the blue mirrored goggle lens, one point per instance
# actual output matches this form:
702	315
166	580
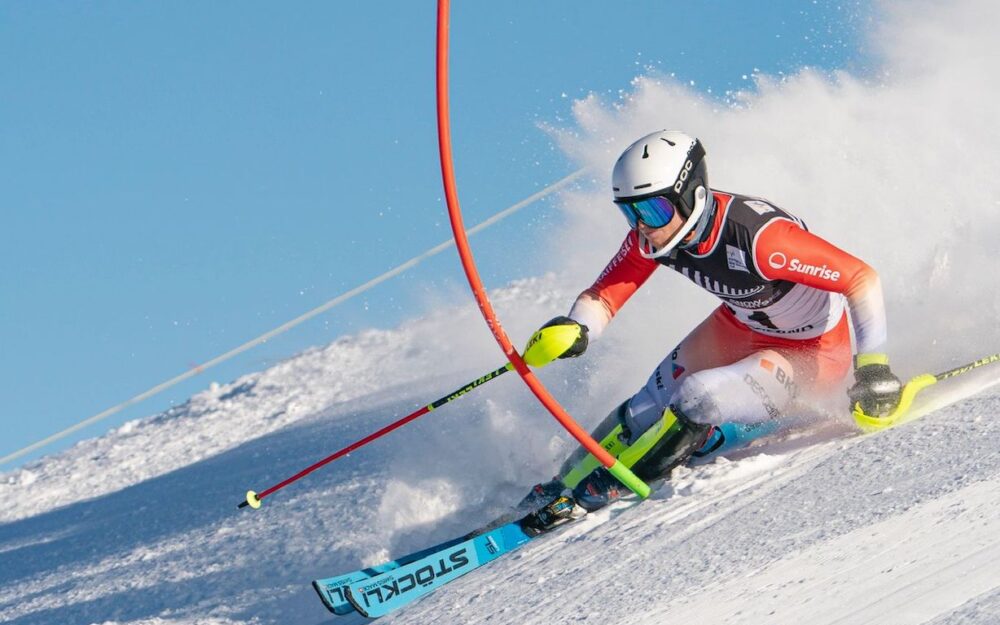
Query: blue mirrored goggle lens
655	212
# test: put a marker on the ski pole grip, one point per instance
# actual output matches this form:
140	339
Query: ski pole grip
624	475
868	423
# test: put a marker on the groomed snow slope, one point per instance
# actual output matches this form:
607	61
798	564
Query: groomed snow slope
894	529
140	526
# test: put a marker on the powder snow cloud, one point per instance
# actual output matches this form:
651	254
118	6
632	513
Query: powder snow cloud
896	166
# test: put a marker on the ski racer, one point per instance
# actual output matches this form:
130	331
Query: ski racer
789	302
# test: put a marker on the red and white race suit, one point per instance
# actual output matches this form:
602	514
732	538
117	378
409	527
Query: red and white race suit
782	327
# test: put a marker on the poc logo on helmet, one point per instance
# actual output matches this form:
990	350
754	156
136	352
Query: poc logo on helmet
683	176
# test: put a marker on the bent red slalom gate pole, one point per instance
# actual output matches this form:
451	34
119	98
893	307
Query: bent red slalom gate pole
253	499
619	470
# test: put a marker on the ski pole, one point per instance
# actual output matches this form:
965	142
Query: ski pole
872	424
253	499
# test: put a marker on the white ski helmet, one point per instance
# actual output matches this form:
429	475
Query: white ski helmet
665	164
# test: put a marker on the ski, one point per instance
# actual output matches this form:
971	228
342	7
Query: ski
380	594
378	590
331	589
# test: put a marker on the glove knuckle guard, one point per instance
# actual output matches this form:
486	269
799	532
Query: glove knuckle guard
559	338
876	389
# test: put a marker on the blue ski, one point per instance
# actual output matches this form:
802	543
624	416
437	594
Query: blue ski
380	594
331	589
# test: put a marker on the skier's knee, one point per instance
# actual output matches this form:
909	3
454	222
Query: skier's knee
696	401
751	390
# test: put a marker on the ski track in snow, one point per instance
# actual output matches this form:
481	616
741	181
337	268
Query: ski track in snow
895	528
836	530
140	526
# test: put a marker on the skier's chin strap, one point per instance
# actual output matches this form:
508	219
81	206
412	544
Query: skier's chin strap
699	221
704	227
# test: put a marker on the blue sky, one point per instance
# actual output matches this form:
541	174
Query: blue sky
177	178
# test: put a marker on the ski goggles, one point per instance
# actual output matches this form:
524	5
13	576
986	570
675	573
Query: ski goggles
655	212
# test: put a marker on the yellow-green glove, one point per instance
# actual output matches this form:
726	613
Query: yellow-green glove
559	338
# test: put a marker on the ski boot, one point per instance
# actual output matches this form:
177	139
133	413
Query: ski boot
540	495
730	436
562	509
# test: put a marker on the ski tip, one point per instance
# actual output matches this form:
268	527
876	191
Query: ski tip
323	597
362	610
251	501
